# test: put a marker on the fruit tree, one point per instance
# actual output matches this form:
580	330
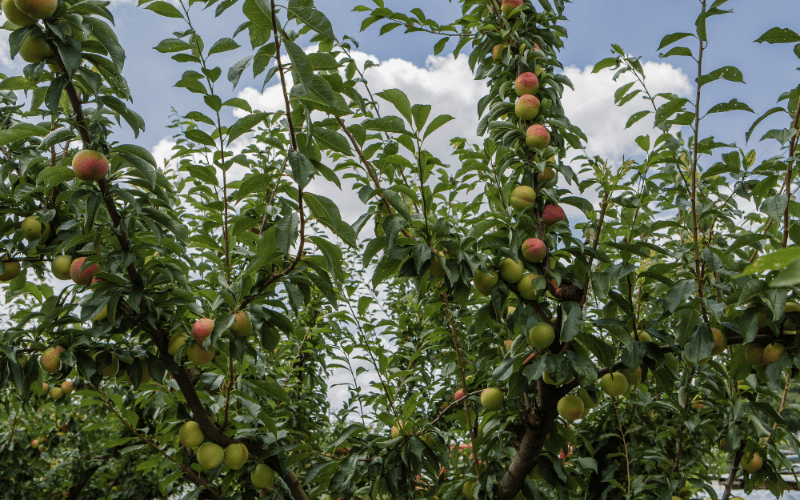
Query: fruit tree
520	320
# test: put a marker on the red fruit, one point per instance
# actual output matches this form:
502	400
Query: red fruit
509	5
526	83
552	214
90	165
537	137
459	394
534	250
202	329
85	276
527	107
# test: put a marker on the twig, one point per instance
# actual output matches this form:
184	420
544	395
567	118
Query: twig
624	443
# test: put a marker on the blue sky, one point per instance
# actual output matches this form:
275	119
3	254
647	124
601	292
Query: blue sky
593	25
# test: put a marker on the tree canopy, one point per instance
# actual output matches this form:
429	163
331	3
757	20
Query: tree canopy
532	321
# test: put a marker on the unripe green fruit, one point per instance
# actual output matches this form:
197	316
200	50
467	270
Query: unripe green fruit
541	335
90	165
723	444
525	286
633	376
198	355
788	327
534	250
202	329
526	83
437	268
242	327
145	376
751	462
772	353
397	430
522	197
83	275
537	137
236	455
262	476
67	387
497	51
10	271
754	354
614	384
466	490
37	9
720	341
643	336
588	401
210	455
33	227
15	15
56	393
548	175
60	266
176	342
570	408
527	107
492	399
103	314
35	50
111	370
190	434
511	270
485	282
50	360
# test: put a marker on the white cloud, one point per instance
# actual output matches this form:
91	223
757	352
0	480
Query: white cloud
591	106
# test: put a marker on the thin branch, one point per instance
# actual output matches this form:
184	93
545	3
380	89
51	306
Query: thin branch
624	443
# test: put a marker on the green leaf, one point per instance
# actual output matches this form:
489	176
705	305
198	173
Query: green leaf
223	45
200	137
760	119
672	38
399	100
730	73
732	105
244	125
666	110
679	294
436	123
788	277
636	117
779	35
260	16
21	131
311	17
301	65
779	259
605	63
56	136
106	36
321	96
327	213
144	167
332	140
393	124
302	169
172	45
165	9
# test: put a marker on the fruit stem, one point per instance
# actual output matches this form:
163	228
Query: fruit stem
467	405
696	140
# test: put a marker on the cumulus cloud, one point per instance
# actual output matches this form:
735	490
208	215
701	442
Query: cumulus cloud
591	106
